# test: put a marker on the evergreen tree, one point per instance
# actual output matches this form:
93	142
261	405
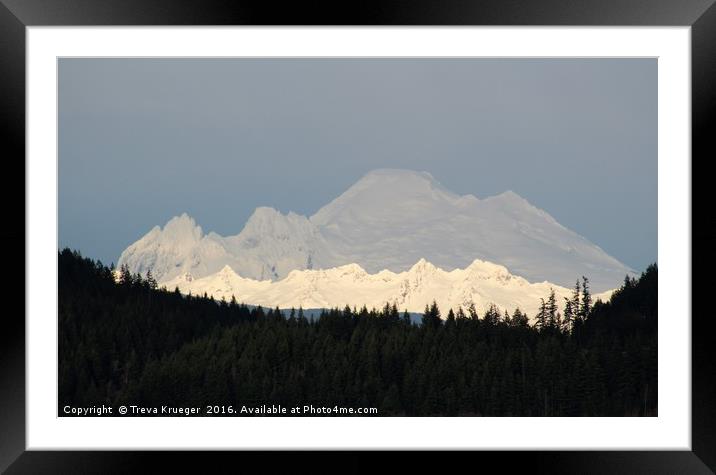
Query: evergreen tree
431	316
492	315
472	312
125	276
568	315
507	319
542	317
460	317
551	310
586	304
394	314
576	302
406	317
151	282
519	319
450	319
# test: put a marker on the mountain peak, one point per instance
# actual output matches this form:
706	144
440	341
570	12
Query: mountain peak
267	214
386	193
182	218
182	226
509	196
227	270
267	222
398	173
352	268
264	219
400	177
487	268
264	212
422	266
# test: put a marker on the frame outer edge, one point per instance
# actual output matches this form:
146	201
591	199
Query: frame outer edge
703	107
12	103
12	237
367	12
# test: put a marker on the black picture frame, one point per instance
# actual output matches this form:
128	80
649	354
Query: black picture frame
16	15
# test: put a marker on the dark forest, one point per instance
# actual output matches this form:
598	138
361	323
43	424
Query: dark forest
127	342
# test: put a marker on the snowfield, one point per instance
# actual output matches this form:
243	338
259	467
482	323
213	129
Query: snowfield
389	219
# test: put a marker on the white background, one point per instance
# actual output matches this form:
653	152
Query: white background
670	430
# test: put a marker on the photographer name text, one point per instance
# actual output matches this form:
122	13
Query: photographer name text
214	410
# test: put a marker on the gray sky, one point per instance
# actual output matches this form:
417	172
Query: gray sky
142	140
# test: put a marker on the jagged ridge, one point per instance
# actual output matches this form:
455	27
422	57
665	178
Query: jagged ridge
481	283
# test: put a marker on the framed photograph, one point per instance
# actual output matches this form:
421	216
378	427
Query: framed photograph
417	228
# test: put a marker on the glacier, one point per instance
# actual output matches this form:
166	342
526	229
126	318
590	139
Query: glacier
389	219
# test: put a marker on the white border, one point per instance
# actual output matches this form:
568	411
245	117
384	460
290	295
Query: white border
670	430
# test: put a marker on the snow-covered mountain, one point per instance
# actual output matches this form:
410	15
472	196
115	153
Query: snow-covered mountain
389	219
481	283
269	247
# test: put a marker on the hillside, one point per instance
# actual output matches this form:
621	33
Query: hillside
131	343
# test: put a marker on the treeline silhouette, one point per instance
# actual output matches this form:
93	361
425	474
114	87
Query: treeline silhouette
129	342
